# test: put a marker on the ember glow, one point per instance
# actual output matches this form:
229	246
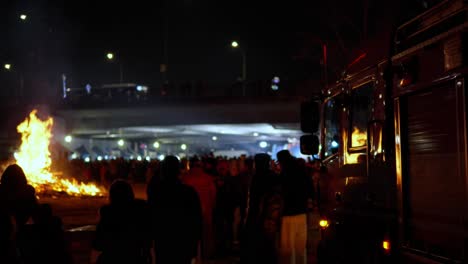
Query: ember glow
35	158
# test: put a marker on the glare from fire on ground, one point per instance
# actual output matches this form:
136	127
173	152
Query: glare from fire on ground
35	158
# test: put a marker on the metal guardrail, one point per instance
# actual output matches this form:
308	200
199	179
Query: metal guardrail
182	101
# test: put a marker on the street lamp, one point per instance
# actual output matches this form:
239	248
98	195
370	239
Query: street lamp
236	45
110	56
23	17
17	74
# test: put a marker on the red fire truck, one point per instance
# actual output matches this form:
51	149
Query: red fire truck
392	138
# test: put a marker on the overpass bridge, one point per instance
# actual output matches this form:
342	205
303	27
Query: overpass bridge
204	123
85	119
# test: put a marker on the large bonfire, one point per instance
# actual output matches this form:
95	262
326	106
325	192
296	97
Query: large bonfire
35	158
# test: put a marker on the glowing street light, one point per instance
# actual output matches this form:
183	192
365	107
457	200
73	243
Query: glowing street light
234	44
68	138
110	56
214	138
121	142
23	17
183	147
156	144
7	66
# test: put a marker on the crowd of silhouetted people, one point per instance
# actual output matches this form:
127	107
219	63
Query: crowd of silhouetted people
29	232
200	208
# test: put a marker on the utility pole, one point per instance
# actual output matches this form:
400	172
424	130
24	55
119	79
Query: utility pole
121	71
244	72
325	64
165	37
242	49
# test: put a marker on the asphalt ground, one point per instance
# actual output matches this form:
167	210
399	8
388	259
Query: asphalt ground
80	216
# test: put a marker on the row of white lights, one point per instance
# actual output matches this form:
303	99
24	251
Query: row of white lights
156	144
100	158
121	142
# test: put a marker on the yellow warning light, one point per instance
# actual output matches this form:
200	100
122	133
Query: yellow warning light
386	245
323	223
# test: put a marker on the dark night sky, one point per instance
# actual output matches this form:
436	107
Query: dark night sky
73	37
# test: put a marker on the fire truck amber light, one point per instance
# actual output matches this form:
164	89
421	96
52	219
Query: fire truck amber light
323	223
386	245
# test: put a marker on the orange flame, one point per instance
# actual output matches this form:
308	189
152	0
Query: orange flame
34	157
358	139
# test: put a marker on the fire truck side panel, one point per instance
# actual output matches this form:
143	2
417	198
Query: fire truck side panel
434	172
431	138
394	141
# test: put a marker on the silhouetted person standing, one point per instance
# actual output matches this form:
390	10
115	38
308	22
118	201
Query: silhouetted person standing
297	189
176	217
17	204
8	252
206	190
123	231
44	240
29	231
17	197
13	196
259	244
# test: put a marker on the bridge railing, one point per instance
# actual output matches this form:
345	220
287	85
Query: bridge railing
184	93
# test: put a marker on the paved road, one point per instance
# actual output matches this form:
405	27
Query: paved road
80	215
